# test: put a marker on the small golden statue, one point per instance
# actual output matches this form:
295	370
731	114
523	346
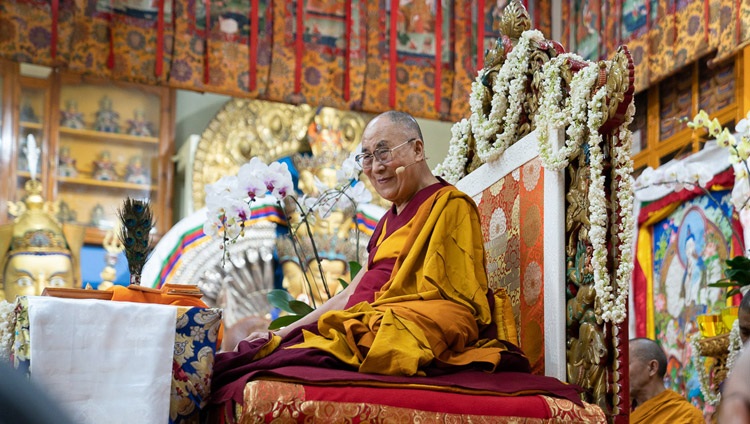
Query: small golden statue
35	250
113	247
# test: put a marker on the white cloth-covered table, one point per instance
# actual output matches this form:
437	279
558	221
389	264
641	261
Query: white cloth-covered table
103	361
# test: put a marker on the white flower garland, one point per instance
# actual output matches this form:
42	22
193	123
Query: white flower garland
506	102
735	346
733	352
709	396
572	115
452	169
581	114
616	309
7	328
597	206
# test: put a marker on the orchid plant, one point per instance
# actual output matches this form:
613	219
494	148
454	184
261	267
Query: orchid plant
229	206
738	268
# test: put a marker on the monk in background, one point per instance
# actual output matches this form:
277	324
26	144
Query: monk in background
652	402
418	312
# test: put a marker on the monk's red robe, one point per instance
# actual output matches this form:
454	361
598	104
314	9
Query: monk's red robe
421	315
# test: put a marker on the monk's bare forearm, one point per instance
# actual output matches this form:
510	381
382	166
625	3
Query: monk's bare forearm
336	303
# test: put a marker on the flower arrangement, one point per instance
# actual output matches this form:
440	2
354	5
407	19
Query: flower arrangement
737	274
739	151
580	111
733	352
229	201
7	324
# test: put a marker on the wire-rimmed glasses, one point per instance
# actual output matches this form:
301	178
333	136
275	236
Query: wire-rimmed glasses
384	156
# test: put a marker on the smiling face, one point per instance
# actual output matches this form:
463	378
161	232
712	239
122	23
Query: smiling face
27	273
382	133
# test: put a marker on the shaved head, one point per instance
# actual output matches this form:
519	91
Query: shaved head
745	304
648	350
403	120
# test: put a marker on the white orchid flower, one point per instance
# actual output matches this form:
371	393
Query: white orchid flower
250	181
743	126
278	180
225	184
700	120
714	127
212	224
359	193
349	170
703	176
743	149
320	186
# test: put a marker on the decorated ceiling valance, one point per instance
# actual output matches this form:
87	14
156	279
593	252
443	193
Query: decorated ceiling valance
414	55
663	35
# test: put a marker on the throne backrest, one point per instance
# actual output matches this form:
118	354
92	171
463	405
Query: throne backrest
522	209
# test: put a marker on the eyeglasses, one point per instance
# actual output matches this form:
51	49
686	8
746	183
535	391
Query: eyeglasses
384	156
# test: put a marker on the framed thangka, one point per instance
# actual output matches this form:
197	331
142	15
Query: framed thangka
684	239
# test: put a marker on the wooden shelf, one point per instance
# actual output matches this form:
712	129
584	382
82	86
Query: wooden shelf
33	125
98	135
109	184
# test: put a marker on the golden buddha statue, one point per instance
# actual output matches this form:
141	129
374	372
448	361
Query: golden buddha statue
35	250
331	142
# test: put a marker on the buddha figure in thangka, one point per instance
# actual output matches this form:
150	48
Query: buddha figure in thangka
35	251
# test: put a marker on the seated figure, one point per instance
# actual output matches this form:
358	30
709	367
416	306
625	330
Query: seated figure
420	308
34	251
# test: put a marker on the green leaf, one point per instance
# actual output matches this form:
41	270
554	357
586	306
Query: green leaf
283	321
720	284
732	292
344	283
354	268
300	308
280	299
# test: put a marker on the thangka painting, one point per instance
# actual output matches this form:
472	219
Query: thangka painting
689	248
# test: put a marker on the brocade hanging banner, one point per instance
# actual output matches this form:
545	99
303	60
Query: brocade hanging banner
118	40
415	85
310	60
228	33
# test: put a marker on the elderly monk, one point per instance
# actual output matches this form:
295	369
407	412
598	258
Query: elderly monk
743	316
420	308
735	396
653	402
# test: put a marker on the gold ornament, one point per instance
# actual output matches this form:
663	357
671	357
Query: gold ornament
35	250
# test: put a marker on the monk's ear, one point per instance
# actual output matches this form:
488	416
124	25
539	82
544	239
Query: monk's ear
419	149
653	367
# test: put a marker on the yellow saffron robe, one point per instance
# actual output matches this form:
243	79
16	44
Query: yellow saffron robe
667	407
434	305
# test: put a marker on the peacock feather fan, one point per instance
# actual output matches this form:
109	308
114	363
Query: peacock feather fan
137	221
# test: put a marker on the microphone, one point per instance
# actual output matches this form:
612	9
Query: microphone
400	170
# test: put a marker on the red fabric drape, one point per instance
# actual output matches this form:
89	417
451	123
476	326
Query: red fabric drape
348	50
53	31
110	37
158	65
252	56
438	53
298	45
480	35
392	54
206	51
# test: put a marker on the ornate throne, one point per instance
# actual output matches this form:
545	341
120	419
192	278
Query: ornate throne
546	156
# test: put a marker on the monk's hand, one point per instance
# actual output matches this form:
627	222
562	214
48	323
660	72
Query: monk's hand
265	335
